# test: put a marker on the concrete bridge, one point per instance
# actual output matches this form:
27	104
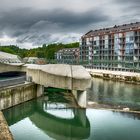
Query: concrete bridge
71	77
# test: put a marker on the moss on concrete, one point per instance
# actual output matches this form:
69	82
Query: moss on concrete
13	95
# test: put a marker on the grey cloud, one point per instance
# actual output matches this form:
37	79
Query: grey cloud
131	5
38	26
77	19
48	21
127	11
129	1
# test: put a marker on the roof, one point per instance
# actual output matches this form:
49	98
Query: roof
115	29
31	58
9	58
68	50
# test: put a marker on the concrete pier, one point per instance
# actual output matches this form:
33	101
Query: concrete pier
81	98
40	90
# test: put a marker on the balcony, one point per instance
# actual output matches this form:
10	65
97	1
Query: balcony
136	59
136	46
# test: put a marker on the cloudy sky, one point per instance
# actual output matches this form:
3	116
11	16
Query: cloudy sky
30	23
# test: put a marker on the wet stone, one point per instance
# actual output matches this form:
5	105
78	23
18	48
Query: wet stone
5	133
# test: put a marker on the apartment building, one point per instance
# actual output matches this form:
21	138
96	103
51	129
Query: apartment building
68	56
115	48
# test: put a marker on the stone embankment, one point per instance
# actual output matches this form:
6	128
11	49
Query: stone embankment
5	133
130	77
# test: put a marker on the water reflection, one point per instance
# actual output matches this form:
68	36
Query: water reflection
61	124
114	93
59	110
42	120
108	125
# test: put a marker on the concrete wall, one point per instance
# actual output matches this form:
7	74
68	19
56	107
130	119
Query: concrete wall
7	68
116	75
14	95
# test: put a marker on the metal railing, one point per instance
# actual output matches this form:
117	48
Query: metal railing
93	64
12	81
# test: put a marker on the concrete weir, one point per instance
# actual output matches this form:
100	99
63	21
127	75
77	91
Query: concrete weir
71	77
74	78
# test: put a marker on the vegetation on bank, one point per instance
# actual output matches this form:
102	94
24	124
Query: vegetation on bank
46	51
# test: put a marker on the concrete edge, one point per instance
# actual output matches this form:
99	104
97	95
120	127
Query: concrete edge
11	87
115	110
5	133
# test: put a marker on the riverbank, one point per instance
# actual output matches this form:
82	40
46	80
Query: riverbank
129	77
28	109
95	105
5	133
71	103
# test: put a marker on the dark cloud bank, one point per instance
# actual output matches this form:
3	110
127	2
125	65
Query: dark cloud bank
47	26
37	26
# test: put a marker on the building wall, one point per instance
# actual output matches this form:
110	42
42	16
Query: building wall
68	56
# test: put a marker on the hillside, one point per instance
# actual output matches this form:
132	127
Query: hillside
46	51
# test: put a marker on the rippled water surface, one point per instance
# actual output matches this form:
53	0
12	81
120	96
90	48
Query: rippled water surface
44	120
114	93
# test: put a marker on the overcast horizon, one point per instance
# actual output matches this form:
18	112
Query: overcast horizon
31	23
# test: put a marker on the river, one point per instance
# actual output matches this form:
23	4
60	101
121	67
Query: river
115	94
44	119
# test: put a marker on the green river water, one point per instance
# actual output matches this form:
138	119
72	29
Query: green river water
43	119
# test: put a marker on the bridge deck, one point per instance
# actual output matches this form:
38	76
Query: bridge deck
73	77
